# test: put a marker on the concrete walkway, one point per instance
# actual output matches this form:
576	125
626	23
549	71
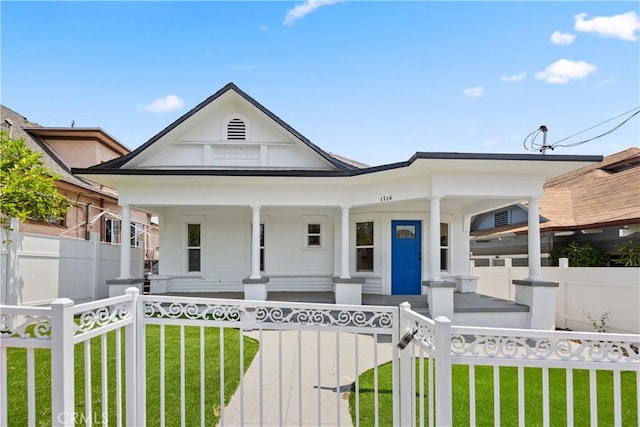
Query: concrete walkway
292	389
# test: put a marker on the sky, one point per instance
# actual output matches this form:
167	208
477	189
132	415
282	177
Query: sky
373	81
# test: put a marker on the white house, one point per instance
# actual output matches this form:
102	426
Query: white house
245	202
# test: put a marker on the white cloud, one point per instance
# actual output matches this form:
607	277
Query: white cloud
623	26
164	105
302	10
474	92
562	38
514	78
564	70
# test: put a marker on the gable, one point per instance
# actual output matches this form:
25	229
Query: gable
507	216
230	131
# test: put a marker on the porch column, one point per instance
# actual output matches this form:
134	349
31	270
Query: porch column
535	267
534	292
439	292
255	243
125	244
434	240
344	244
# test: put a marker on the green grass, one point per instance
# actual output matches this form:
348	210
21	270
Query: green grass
17	368
508	397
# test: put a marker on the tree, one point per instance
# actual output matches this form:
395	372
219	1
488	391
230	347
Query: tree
27	186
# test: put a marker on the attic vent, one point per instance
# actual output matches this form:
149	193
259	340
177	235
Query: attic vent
501	218
236	129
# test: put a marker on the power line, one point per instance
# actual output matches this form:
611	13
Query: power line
530	144
556	144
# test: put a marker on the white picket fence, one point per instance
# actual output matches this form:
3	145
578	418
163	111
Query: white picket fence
146	373
38	269
582	292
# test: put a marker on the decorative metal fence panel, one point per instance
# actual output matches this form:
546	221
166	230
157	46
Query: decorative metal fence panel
161	360
521	377
301	346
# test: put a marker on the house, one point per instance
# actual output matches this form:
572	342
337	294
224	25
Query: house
599	203
247	203
94	207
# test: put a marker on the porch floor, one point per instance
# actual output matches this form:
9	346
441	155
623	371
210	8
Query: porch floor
462	302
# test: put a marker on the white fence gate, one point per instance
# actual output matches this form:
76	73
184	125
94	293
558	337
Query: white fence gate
156	360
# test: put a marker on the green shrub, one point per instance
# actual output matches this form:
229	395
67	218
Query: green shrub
630	254
580	255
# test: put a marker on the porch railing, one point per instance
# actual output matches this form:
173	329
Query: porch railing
139	360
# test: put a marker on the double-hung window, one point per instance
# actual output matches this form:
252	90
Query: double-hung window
112	230
136	234
314	235
262	247
194	248
364	246
444	246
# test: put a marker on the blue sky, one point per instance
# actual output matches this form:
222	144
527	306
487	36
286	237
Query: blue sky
373	81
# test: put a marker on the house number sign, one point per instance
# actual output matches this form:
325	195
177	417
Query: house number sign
385	198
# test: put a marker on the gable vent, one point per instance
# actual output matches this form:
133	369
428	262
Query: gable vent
236	129
501	218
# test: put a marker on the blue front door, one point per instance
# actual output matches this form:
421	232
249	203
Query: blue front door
406	257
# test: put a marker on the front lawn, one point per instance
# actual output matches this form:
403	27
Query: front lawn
508	397
17	368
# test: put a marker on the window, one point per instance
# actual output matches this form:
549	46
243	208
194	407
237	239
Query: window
194	250
261	247
236	129
313	235
364	246
136	234
501	218
405	231
112	230
444	246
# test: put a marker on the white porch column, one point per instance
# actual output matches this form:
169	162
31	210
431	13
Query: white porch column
344	244
434	239
535	267
255	243
125	244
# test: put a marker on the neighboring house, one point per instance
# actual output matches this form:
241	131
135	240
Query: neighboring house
94	207
245	199
599	203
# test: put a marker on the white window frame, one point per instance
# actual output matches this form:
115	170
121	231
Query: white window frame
447	247
109	232
372	246
308	220
136	235
199	220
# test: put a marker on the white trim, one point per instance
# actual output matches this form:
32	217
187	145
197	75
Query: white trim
225	125
314	219
185	221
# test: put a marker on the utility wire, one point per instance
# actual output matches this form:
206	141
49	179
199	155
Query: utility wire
574	144
530	144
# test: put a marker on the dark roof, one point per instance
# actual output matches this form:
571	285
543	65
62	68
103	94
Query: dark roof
117	163
603	194
113	170
18	125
